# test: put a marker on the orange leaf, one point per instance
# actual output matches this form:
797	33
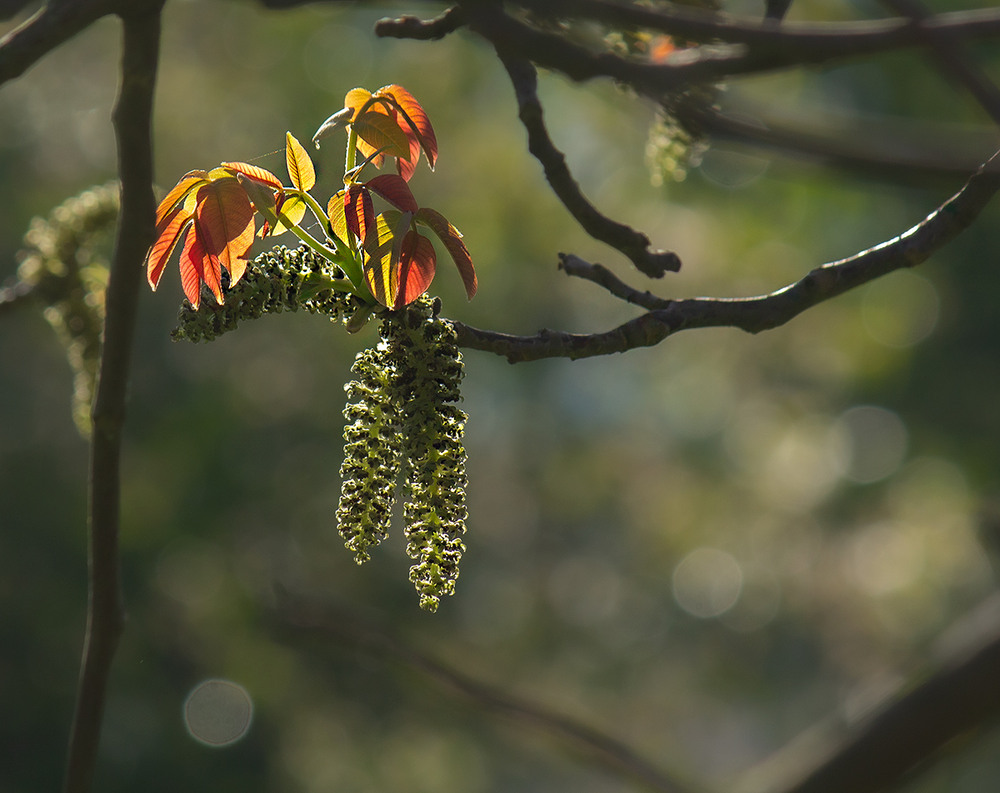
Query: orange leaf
225	224
381	131
186	184
300	167
451	237
254	172
175	226
416	119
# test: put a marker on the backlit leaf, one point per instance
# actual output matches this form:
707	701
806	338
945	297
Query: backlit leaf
290	214
255	172
359	212
338	218
174	228
356	99
187	183
416	118
209	266
395	190
225	224
415	269
451	237
384	251
380	131
300	167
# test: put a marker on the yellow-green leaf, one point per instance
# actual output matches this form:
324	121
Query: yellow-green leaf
300	167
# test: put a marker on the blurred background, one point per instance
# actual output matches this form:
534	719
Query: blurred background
704	548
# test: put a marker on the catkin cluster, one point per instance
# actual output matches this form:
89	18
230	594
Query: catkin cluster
278	280
63	263
403	424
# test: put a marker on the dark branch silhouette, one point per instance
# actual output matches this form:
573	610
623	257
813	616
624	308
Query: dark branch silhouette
105	611
753	314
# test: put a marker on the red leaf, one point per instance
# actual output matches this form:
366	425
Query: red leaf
395	190
452	239
192	269
415	270
210	267
359	212
416	119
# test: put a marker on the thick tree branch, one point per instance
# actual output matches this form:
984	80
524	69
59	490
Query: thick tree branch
630	242
754	314
410	27
46	30
792	41
105	612
962	694
706	65
307	617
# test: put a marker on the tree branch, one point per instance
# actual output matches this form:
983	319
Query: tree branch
308	617
51	26
754	314
948	53
700	65
630	242
105	612
410	27
962	694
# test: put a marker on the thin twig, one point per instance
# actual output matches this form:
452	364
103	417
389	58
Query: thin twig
630	242
763	312
132	119
306	616
603	277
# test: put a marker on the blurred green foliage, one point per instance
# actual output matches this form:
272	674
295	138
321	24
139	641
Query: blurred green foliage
703	547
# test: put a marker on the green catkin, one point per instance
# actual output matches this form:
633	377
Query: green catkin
276	281
63	263
429	374
402	422
371	454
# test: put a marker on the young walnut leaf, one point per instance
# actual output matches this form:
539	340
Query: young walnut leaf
300	167
451	238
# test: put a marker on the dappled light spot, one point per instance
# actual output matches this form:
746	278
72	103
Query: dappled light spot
900	309
218	712
887	557
876	439
707	582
